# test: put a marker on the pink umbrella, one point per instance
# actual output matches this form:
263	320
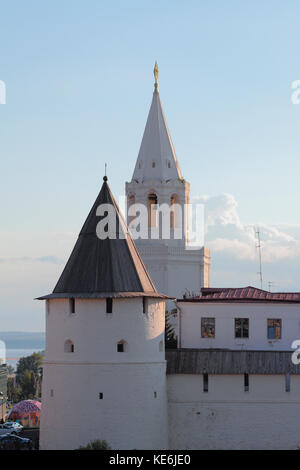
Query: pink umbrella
26	410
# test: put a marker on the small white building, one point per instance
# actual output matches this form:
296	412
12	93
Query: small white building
239	319
232	383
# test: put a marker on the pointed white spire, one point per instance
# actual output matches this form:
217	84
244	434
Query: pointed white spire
157	158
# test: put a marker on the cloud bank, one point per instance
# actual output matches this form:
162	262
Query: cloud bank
225	233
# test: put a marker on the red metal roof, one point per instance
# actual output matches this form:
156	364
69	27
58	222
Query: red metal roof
243	294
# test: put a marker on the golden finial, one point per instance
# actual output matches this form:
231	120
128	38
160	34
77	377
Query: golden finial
155	71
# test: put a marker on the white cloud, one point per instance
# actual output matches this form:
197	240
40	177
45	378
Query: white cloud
226	233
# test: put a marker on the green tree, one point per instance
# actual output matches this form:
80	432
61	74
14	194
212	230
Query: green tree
29	375
170	337
96	445
10	369
28	385
13	394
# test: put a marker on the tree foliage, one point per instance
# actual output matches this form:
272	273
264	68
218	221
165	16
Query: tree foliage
170	337
10	369
13	393
29	376
96	445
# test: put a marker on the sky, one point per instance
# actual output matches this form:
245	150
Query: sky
79	82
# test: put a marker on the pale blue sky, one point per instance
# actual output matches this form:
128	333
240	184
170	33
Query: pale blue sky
79	86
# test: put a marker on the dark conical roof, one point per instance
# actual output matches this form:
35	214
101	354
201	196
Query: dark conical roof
110	267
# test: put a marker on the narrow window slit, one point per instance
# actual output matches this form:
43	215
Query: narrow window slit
246	382
144	305
287	382
205	382
109	305
72	305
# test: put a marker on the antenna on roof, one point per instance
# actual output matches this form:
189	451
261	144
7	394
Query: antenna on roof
270	284
258	246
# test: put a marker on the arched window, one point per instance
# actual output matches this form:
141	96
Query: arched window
175	211
122	346
69	346
152	210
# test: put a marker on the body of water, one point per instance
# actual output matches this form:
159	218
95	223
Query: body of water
21	344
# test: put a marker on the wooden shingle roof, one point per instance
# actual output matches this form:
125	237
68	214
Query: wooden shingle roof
226	361
99	268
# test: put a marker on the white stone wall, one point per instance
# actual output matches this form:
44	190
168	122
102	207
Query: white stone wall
133	411
227	417
225	313
95	333
175	270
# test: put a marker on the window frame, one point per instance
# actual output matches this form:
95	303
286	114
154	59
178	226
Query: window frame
242	328
274	319
213	319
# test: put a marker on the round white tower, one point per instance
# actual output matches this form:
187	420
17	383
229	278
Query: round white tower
104	374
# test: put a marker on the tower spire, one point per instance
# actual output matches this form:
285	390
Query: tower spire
156	73
157	158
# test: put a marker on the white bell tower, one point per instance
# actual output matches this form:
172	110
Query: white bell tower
157	181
